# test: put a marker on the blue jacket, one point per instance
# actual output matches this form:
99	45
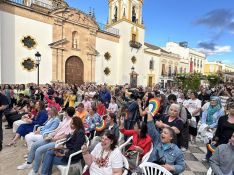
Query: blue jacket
105	96
41	118
171	155
28	127
50	125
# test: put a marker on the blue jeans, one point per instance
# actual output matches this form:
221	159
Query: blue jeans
49	160
37	151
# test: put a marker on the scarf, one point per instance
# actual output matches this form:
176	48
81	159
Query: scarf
213	109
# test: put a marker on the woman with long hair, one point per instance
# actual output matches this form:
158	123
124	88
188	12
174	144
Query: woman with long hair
51	124
141	141
60	155
30	123
144	104
28	112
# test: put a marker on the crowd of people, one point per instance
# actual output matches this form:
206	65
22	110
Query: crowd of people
108	116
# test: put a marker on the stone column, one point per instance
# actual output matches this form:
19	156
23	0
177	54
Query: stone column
110	13
140	14
129	10
119	11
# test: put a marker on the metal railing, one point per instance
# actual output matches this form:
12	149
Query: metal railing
21	2
104	28
42	4
29	3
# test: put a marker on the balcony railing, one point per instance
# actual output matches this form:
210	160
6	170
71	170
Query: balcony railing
42	4
21	2
135	44
111	30
30	3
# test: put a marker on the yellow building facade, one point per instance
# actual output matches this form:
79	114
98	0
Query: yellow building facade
214	67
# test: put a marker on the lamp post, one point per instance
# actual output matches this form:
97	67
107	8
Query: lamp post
38	59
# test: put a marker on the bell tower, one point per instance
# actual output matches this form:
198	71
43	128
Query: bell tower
127	10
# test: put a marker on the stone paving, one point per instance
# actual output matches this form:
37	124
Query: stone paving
11	157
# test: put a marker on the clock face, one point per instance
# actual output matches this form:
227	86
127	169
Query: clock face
28	64
29	42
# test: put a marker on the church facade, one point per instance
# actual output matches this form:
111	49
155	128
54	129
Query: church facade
75	48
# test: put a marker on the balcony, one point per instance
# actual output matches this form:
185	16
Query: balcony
135	44
110	30
31	3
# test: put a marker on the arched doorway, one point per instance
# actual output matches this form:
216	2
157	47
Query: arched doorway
74	70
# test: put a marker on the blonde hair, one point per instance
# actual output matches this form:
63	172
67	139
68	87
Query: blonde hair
177	106
54	111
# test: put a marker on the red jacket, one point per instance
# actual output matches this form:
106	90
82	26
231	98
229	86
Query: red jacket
52	103
101	109
144	143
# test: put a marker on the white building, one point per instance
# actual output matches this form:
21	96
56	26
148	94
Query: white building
76	49
191	60
18	43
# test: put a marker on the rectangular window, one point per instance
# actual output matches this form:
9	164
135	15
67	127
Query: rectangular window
169	71
181	70
163	70
175	71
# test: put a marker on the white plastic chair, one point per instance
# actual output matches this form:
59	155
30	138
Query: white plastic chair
149	168
121	147
64	169
60	142
209	172
145	158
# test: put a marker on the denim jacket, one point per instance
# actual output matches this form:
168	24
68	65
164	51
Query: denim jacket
50	125
172	155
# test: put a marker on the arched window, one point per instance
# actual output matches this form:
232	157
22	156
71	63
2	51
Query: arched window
133	14
74	39
116	13
151	64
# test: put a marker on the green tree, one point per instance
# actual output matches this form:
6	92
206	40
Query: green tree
189	80
215	78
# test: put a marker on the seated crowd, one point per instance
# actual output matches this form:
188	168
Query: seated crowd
58	120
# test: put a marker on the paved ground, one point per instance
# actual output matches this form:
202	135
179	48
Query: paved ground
11	157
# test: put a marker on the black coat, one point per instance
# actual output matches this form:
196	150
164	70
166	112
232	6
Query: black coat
73	144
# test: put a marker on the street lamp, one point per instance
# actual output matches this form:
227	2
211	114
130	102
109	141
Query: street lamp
38	59
132	69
